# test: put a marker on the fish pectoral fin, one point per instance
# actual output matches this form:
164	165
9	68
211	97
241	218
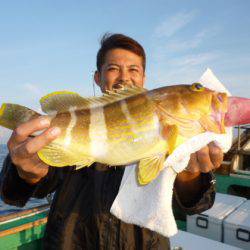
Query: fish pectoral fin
57	155
170	134
149	168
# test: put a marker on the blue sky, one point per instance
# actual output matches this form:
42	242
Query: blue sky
51	45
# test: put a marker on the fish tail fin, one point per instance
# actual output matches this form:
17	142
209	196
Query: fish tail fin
12	115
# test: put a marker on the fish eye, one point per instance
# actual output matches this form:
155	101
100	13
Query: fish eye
197	86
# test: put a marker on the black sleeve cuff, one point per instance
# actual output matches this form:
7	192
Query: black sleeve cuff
48	183
14	190
202	202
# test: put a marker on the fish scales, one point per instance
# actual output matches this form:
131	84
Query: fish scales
129	125
80	132
74	126
133	129
98	134
61	120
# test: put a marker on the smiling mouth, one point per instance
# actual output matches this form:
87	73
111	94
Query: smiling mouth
122	85
119	86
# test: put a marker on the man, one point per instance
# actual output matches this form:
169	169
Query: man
79	217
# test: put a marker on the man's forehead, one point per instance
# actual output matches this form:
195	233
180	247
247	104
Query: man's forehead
128	64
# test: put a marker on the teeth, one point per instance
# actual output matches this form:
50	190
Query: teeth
118	86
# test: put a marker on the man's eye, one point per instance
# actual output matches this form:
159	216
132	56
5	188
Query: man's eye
134	70
112	69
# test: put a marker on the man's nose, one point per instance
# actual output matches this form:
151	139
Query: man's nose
123	76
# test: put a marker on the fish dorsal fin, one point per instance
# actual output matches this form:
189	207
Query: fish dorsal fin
63	101
149	168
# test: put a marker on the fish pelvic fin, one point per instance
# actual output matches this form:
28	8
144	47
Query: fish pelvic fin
149	168
63	101
12	115
57	155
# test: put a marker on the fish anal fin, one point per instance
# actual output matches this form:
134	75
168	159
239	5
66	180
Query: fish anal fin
57	155
149	168
84	163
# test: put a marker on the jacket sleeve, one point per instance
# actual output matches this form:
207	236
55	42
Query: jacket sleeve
15	191
198	204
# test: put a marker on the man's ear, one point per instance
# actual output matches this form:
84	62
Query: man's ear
144	79
97	78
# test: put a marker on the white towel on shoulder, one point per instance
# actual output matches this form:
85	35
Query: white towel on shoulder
150	206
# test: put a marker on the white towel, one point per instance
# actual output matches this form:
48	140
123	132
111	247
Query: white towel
150	206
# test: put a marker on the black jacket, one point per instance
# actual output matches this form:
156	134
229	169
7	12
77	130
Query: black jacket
79	216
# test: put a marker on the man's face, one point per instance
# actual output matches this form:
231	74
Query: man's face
121	67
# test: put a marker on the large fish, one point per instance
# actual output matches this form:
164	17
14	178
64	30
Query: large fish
129	125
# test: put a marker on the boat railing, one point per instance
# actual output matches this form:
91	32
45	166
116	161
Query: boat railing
19	221
237	159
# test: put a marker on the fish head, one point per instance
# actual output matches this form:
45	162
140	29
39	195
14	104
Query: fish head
194	108
192	101
206	106
203	100
212	108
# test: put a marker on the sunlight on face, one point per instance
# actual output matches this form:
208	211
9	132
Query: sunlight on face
121	67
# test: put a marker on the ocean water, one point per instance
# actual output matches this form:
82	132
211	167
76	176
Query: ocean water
7	209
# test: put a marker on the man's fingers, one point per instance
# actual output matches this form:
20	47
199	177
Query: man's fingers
216	154
32	170
37	143
204	161
21	133
193	165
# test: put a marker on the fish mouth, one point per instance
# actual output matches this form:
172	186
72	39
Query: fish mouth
238	112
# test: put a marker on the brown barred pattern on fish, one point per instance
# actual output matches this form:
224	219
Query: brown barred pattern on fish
126	126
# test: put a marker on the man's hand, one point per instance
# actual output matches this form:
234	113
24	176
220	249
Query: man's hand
203	161
188	183
23	148
206	159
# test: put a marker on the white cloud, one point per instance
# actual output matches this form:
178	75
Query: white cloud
174	23
178	45
193	59
32	88
163	49
180	53
183	69
185	66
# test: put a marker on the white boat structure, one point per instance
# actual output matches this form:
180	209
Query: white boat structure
227	224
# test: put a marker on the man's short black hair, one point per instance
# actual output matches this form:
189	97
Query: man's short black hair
115	41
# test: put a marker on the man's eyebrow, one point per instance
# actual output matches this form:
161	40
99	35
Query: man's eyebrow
134	65
113	64
130	66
